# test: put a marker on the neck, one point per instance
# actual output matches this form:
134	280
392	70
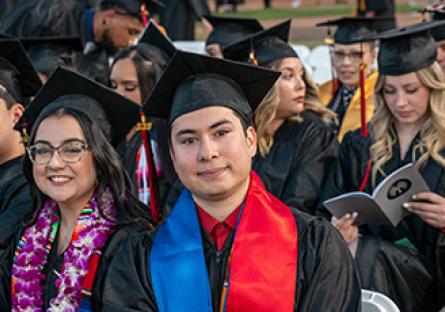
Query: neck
406	134
13	151
274	125
221	208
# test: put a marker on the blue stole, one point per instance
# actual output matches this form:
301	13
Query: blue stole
177	263
85	305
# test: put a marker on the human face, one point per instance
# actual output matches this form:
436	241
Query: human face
291	87
211	152
214	50
120	31
441	54
347	59
69	185
124	80
407	99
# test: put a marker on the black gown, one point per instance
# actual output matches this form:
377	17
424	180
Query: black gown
298	161
54	265
405	262
381	8
63	18
320	286
15	200
179	17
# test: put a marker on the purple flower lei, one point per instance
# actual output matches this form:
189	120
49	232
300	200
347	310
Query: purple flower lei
33	249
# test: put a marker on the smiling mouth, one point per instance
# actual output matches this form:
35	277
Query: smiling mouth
59	179
212	172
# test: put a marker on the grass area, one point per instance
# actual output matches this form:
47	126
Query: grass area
308	11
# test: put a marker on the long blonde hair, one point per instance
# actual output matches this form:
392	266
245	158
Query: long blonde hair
266	112
432	133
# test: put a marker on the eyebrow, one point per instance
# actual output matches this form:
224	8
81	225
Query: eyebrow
211	127
63	142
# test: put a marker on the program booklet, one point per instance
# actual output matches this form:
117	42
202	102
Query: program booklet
385	204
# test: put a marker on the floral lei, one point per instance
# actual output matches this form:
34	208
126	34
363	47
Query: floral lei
93	228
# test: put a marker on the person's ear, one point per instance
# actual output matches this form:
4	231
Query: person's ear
108	16
251	139
17	111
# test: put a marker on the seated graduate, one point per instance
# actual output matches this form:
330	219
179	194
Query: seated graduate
227	243
227	30
82	197
18	81
404	262
296	146
134	72
343	93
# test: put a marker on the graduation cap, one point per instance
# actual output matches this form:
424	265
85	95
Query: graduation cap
354	28
48	53
263	47
17	74
192	81
136	8
155	45
227	30
437	14
407	49
115	114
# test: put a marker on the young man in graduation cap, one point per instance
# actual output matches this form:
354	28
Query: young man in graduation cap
351	60
225	244
18	80
227	30
111	26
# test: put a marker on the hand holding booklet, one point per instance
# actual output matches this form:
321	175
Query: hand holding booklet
385	206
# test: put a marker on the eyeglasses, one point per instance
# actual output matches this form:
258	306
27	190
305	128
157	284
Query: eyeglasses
354	57
69	152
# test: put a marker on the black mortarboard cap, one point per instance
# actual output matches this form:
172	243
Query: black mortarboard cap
268	45
155	45
354	28
48	53
17	74
227	30
437	14
131	7
192	81
115	114
406	49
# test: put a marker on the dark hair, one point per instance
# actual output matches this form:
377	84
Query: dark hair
148	71
110	171
7	97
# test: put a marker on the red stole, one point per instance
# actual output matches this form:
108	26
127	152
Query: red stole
264	257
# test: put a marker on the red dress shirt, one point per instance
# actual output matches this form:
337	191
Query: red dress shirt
218	231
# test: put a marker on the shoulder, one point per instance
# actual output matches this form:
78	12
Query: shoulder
313	229
354	139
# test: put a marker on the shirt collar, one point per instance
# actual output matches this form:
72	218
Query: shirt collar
209	223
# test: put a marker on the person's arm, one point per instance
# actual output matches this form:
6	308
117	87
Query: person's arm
311	161
328	279
126	285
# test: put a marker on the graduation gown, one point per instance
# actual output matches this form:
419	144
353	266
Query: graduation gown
351	119
381	8
326	279
63	18
298	161
15	199
408	255
179	17
54	265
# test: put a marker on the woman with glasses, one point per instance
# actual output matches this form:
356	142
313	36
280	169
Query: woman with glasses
82	198
404	262
295	144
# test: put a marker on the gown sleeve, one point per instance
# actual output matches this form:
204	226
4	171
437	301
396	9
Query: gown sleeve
327	279
318	148
126	286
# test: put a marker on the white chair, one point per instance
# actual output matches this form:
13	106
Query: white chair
373	301
302	51
320	57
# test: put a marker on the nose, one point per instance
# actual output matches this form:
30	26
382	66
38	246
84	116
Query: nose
299	83
440	54
56	162
401	100
208	150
